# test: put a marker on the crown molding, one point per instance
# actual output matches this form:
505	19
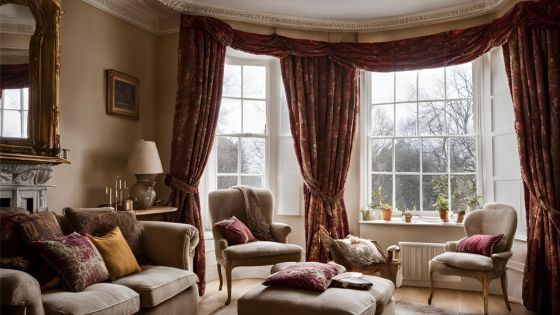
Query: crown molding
475	8
126	10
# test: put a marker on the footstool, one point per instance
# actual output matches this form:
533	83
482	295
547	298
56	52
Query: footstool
274	300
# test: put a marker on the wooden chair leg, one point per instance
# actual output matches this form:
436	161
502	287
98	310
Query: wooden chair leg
485	284
228	281
504	290
431	277
220	276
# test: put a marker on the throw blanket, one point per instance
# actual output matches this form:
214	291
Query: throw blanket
255	218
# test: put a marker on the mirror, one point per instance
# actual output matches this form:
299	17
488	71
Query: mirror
30	68
14	69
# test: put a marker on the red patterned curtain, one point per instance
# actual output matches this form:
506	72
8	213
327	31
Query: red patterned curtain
199	91
323	105
14	76
532	57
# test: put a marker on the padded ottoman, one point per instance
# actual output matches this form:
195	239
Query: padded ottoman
274	300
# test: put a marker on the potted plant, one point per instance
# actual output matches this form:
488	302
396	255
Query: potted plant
386	212
367	214
472	201
406	215
442	205
377	198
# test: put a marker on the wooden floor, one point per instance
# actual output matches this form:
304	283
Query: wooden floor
448	300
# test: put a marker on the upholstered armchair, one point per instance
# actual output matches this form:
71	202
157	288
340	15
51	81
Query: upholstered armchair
494	218
230	202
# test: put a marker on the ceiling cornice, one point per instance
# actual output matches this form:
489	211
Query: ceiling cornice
475	8
127	11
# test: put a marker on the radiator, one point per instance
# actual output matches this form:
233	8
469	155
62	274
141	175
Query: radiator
415	258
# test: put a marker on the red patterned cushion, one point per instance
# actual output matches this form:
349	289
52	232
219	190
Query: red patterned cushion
235	231
479	244
310	276
75	258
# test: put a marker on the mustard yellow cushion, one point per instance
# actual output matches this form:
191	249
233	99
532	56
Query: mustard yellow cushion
116	253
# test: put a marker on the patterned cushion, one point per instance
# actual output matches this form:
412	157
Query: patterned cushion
100	221
357	251
479	244
14	254
39	226
309	275
76	260
235	231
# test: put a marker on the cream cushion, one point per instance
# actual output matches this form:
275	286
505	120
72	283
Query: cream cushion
259	249
465	261
97	299
334	301
156	284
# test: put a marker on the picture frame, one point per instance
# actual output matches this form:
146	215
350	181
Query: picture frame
122	94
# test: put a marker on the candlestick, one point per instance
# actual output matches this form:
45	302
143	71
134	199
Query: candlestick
110	196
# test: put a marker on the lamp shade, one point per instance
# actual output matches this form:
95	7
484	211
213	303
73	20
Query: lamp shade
144	158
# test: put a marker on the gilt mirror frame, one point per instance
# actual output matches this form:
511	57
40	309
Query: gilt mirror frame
43	142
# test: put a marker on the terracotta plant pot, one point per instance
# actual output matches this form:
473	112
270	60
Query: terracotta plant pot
443	215
368	215
460	216
386	213
407	217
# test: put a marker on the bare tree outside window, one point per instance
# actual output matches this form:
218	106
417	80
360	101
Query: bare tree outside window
422	139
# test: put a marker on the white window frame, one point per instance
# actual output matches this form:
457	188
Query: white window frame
21	110
208	181
365	164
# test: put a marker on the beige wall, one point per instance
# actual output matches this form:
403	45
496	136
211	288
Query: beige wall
92	41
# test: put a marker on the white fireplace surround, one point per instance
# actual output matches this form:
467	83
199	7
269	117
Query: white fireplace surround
25	186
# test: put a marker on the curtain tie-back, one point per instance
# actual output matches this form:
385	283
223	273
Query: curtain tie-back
178	184
329	200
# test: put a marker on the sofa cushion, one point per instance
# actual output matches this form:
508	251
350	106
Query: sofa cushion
333	301
97	299
309	275
156	284
260	249
15	254
465	261
39	227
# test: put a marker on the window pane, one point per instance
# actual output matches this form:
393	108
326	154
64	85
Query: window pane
253	154
407	191
460	116
386	184
229	120
463	155
253	181
405	86
407	155
382	87
232	81
227	154
12	98
26	98
382	120
12	124
24	130
459	81
434	155
431	118
431	84
406	119
254	81
225	182
432	186
254	116
461	188
382	155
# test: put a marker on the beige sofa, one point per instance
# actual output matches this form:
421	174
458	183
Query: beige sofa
165	287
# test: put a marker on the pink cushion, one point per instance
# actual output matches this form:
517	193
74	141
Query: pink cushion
479	244
309	275
235	231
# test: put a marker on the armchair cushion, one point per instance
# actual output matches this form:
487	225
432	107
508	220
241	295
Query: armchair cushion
479	244
157	284
235	231
465	261
259	249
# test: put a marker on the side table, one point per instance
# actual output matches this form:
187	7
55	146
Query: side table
155	213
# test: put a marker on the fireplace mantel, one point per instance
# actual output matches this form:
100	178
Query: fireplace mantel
25	186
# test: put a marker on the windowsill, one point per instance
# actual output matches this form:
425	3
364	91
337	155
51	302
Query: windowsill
415	222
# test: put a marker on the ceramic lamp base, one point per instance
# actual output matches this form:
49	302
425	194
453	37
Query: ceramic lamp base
142	193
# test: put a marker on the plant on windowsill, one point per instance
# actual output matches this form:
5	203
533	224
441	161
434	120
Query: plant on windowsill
378	203
473	201
407	216
442	205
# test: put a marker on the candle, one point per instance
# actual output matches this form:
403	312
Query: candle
110	196
120	183
106	190
125	186
121	199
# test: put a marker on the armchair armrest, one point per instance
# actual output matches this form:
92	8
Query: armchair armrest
220	242
280	231
169	244
500	260
451	246
20	290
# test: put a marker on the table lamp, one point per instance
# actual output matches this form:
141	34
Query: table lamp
145	164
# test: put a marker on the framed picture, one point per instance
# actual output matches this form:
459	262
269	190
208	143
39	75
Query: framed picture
122	94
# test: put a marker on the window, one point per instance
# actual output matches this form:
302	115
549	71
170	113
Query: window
14	109
421	137
241	134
